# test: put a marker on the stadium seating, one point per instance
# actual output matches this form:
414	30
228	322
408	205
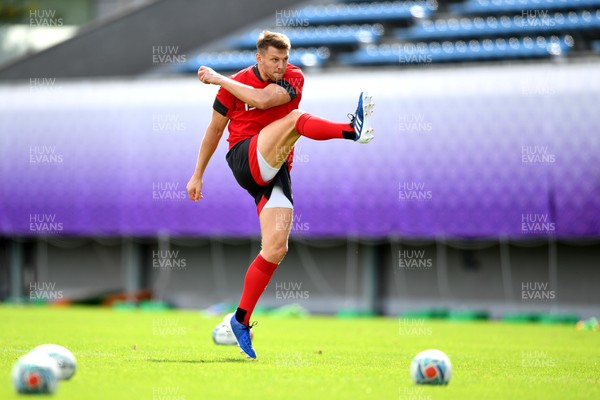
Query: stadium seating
499	26
354	32
518	6
319	36
364	12
459	51
236	60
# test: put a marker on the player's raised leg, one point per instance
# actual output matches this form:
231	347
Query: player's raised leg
361	120
276	140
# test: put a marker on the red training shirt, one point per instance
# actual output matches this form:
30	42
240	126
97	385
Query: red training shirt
246	121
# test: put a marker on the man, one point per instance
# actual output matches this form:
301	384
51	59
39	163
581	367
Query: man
260	104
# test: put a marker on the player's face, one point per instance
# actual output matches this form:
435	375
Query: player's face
273	63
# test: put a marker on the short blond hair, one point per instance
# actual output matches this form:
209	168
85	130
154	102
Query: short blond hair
275	39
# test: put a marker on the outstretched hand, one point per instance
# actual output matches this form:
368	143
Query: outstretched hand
194	188
208	75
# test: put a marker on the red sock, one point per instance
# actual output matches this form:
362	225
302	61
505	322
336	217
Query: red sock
257	278
321	129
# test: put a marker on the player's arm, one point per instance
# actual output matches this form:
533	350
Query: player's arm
270	96
209	144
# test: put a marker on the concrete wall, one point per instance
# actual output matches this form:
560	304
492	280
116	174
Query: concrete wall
325	276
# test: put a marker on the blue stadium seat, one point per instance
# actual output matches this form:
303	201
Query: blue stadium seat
422	52
236	60
318	29
364	12
519	6
318	36
505	25
596	46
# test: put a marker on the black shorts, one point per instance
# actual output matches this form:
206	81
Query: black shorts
242	160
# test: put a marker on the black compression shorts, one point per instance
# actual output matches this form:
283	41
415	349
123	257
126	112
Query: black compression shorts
242	160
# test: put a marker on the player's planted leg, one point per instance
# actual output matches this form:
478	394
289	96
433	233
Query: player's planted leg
275	226
242	335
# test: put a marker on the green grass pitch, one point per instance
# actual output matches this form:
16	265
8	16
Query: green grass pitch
170	356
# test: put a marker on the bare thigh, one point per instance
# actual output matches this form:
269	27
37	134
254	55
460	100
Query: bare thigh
276	140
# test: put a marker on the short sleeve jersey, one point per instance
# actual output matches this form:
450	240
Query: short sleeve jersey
246	121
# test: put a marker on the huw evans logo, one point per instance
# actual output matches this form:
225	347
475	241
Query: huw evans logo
414	122
414	260
167	326
167	393
291	359
537	18
290	290
292	222
168	191
537	291
290	18
44	291
414	327
167	55
537	223
536	88
282	153
414	393
412	58
168	123
168	259
536	359
413	191
44	155
537	155
42	85
44	223
44	18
